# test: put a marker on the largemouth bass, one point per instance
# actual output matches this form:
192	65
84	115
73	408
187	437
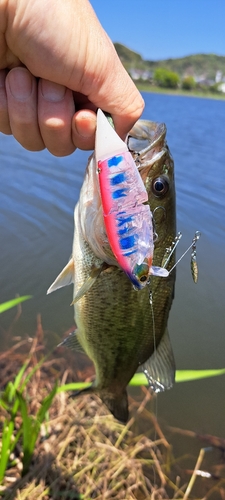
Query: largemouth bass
118	327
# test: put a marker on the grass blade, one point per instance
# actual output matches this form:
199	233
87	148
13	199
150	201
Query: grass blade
46	403
17	380
188	375
29	428
7	433
181	376
73	386
32	372
12	303
140	379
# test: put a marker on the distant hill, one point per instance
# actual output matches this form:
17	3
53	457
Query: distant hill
195	65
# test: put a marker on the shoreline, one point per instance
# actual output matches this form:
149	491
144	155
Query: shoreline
178	92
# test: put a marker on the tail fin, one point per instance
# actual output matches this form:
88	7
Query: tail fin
117	404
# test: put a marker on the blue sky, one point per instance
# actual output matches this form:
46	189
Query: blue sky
159	29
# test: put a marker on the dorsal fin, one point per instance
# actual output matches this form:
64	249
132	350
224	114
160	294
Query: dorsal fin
159	369
64	278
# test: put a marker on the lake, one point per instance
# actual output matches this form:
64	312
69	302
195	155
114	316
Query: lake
37	197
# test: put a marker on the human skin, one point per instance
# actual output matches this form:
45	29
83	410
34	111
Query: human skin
57	66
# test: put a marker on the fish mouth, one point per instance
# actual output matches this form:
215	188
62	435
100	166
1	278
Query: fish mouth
146	142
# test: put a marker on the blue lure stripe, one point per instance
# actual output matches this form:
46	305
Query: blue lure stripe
119	193
114	161
128	242
122	221
130	253
120	232
118	179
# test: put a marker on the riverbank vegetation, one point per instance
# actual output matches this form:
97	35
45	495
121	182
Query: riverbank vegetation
147	87
201	75
56	447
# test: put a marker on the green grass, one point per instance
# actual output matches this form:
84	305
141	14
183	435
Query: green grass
12	303
14	404
78	436
73	448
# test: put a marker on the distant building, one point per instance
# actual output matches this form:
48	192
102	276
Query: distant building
140	74
200	78
221	87
218	77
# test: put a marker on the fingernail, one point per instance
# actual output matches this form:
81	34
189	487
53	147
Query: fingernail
85	126
52	91
20	83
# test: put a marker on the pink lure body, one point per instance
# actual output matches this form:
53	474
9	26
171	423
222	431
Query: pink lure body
128	222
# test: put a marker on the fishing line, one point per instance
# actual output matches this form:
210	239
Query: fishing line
153	318
171	250
193	246
155	394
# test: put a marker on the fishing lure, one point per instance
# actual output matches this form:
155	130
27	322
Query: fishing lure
170	250
127	216
194	265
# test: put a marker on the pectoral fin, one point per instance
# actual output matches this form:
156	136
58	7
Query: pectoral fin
64	278
159	369
96	271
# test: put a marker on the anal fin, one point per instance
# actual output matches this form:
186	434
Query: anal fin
159	369
64	278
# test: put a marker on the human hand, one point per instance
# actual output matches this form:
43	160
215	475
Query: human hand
57	66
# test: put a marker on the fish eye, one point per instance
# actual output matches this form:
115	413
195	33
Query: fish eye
160	186
143	278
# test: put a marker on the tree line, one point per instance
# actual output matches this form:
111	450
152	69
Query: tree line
171	80
165	78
